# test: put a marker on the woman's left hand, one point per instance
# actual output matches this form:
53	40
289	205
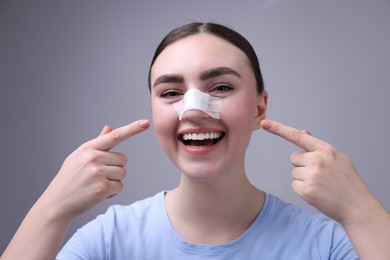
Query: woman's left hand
323	176
328	180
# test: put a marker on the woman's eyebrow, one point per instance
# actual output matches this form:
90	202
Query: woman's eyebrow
208	74
168	78
216	72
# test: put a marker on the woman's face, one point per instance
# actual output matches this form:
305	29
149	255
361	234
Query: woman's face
214	66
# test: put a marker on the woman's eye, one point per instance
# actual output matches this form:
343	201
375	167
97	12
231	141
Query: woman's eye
222	88
170	94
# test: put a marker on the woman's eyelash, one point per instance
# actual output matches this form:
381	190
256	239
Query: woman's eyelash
222	88
170	93
216	88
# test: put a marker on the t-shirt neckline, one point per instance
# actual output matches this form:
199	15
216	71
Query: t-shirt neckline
211	249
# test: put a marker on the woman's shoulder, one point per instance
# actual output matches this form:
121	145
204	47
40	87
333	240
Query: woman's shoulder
297	228
276	206
121	226
288	215
119	219
138	209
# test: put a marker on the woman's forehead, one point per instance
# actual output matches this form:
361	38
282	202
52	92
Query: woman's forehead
201	42
203	50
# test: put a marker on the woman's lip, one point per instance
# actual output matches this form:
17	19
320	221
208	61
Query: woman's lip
199	150
200	147
204	134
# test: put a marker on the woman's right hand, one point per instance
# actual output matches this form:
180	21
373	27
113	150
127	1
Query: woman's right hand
91	174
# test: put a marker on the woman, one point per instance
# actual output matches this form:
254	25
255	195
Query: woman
207	98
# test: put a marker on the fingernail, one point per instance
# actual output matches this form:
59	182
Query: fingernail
105	129
266	125
143	123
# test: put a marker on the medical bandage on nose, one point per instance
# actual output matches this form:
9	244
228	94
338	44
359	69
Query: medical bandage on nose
198	100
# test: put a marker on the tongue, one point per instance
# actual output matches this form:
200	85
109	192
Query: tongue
201	142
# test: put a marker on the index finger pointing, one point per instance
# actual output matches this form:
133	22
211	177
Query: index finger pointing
110	140
295	136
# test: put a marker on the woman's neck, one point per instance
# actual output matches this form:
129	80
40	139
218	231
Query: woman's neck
213	212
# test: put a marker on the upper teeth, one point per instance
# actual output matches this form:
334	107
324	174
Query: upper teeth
201	136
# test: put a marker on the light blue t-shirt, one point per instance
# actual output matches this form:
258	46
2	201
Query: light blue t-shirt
142	230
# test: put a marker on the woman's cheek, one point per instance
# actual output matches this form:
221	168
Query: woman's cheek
164	119
239	112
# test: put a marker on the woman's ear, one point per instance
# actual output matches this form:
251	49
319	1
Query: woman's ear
262	101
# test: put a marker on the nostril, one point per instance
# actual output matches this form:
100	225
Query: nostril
194	114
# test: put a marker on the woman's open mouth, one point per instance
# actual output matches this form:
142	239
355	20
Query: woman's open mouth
201	139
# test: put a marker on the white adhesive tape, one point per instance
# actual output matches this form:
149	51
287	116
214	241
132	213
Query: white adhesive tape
197	100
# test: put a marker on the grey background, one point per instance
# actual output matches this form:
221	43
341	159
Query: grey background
69	67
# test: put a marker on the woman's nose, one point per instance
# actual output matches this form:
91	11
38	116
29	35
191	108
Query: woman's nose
195	115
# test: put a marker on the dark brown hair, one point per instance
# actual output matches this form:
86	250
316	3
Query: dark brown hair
217	30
